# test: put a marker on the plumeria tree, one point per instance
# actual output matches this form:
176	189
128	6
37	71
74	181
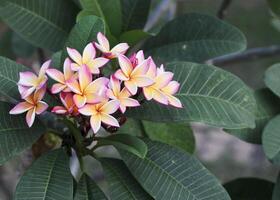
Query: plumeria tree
106	82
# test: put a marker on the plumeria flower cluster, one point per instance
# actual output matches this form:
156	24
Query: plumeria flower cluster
84	91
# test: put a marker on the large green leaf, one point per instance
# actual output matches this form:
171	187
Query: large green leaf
268	105
15	135
275	6
169	173
177	135
84	32
40	22
276	190
109	11
209	95
196	38
134	36
249	189
134	13
6	45
272	78
21	47
88	190
271	140
122	185
9	76
49	178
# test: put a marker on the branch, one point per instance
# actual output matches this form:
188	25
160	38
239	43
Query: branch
250	54
223	9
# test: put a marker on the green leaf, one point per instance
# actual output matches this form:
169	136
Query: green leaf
131	127
272	78
126	142
40	22
84	32
56	60
209	95
271	140
168	173
109	11
134	36
174	134
15	135
276	190
195	38
48	178
21	47
275	6
268	105
9	76
6	45
134	13
122	185
249	189
88	190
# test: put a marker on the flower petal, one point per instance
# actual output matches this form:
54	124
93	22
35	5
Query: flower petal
140	56
68	73
57	87
173	101
56	75
129	102
75	55
88	53
125	65
85	77
160	97
163	79
41	107
171	88
152	72
120	49
141	69
25	91
27	79
110	107
60	110
109	120
75	67
30	117
95	64
131	87
39	94
142	81
73	85
103	42
44	68
95	122
97	85
148	93
79	100
120	75
87	110
21	108
115	85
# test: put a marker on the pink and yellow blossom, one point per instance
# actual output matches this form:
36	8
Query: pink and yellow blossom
68	108
104	46
101	113
32	105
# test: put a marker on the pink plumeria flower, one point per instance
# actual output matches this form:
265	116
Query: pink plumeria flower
68	108
169	91
29	82
32	105
88	59
122	96
87	91
101	113
61	78
133	77
104	46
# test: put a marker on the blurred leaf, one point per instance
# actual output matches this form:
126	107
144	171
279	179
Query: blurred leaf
134	14
88	190
272	78
15	135
276	190
126	142
271	140
48	178
56	60
275	6
40	22
196	38
174	134
21	47
133	37
84	32
249	189
6	45
122	185
109	11
209	95
131	127
168	173
9	76
268	105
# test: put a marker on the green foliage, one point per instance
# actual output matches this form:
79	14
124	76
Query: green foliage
195	38
126	142
21	47
271	140
6	49
40	22
122	185
275	6
134	36
276	190
174	134
168	173
48	178
15	135
249	188
134	13
272	78
88	190
209	95
268	105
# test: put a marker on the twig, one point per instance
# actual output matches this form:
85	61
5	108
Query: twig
250	54
223	9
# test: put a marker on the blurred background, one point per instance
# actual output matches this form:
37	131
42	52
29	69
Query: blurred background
224	155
